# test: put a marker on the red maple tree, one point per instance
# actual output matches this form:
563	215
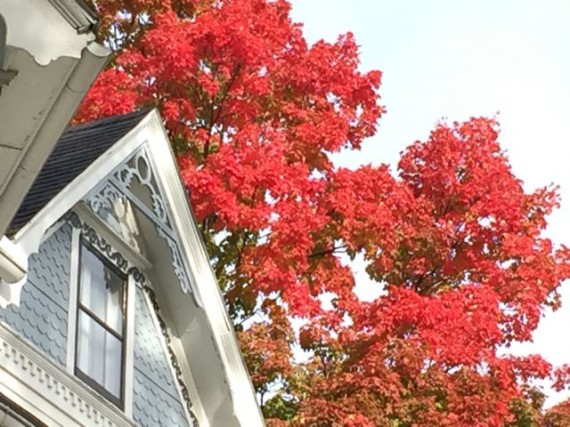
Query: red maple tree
454	241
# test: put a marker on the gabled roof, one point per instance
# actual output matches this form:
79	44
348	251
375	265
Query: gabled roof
78	147
89	159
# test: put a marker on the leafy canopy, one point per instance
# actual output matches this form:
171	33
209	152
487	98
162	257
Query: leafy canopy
454	241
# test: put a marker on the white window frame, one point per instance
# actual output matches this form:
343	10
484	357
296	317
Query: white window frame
72	319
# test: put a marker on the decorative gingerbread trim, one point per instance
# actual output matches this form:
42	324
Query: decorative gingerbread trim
121	262
138	168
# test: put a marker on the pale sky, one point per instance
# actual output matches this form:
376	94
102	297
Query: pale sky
459	58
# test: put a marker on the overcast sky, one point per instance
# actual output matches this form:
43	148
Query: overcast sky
458	58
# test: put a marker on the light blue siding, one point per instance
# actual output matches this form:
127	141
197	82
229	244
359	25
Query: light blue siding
42	320
156	400
42	315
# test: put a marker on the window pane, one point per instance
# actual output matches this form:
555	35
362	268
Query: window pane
99	354
101	290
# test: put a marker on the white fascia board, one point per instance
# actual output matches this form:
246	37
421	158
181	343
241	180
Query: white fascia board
242	394
41	29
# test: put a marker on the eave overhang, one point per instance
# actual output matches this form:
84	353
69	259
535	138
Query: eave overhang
48	29
48	61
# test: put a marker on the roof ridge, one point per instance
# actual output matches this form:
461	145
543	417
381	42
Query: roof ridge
105	120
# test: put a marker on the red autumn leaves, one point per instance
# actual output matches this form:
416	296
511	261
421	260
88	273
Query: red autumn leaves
454	240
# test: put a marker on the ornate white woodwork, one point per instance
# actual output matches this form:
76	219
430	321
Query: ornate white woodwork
177	263
112	201
116	211
138	166
54	38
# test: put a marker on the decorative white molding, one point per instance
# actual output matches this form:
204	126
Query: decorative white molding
116	211
177	262
50	393
103	203
78	15
102	228
139	167
54	36
241	397
28	238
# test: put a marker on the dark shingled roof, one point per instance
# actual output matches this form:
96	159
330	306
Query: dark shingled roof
78	147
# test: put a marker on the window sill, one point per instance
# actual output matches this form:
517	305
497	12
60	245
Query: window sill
47	391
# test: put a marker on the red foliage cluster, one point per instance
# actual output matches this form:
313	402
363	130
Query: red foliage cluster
254	113
558	416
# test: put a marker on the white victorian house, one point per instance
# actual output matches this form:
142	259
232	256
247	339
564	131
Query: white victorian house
110	314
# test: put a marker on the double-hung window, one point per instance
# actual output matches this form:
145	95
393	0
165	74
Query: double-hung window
100	340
